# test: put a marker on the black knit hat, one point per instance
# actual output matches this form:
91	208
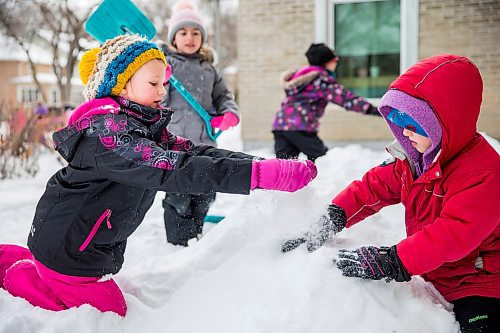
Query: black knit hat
319	54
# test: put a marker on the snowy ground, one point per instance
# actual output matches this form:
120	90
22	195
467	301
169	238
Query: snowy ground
235	279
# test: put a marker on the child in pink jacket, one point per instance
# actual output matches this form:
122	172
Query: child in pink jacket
120	154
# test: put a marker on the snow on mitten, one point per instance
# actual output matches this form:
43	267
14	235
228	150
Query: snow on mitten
330	223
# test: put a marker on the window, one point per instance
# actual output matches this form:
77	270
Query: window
367	39
376	40
28	95
55	97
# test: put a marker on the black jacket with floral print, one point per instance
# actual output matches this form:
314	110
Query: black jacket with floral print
119	155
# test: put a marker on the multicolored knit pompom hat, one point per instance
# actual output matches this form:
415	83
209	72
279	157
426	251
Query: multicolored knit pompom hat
106	70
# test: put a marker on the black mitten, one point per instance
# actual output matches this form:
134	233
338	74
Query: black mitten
373	110
328	225
370	262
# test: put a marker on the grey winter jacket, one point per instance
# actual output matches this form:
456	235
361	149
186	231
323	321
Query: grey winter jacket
206	85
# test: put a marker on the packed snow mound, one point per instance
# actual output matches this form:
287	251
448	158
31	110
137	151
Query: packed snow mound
235	278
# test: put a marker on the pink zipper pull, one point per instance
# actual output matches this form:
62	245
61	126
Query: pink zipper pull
108	215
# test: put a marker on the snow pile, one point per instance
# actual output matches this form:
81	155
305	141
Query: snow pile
235	279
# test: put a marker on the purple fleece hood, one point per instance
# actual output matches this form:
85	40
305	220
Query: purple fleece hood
423	114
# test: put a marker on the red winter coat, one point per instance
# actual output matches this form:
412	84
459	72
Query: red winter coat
452	210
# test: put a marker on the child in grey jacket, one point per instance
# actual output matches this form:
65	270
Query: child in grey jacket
191	63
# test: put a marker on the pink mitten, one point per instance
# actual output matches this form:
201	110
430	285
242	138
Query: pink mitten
312	167
225	121
168	74
281	175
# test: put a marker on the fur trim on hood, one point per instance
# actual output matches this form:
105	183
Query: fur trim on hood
209	54
206	52
294	79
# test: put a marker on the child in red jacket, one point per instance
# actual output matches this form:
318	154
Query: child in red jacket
448	178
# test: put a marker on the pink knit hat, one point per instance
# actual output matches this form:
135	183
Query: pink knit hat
185	14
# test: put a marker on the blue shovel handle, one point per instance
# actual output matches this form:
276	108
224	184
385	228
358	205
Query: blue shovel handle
196	106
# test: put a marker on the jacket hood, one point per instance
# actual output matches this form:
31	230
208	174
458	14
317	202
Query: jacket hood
303	76
95	106
452	86
66	140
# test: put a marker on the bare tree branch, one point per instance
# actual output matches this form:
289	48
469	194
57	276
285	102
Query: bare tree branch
54	24
14	29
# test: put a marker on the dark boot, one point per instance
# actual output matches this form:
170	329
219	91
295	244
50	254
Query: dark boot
179	221
184	216
181	203
201	204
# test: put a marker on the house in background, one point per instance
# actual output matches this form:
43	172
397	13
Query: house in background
17	87
376	41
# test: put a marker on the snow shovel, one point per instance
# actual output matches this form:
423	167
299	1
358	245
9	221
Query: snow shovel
213	218
117	17
196	106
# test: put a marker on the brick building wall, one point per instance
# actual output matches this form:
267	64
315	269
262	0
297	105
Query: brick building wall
274	35
271	38
470	28
12	69
8	70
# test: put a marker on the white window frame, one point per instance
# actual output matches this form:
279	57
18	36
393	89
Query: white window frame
409	27
21	89
55	91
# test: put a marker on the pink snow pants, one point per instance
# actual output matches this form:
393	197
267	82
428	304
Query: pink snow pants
22	276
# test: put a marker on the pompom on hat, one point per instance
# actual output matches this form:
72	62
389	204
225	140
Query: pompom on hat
106	70
185	14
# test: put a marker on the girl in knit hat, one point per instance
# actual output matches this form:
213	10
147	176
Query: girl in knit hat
191	62
308	91
448	178
119	155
